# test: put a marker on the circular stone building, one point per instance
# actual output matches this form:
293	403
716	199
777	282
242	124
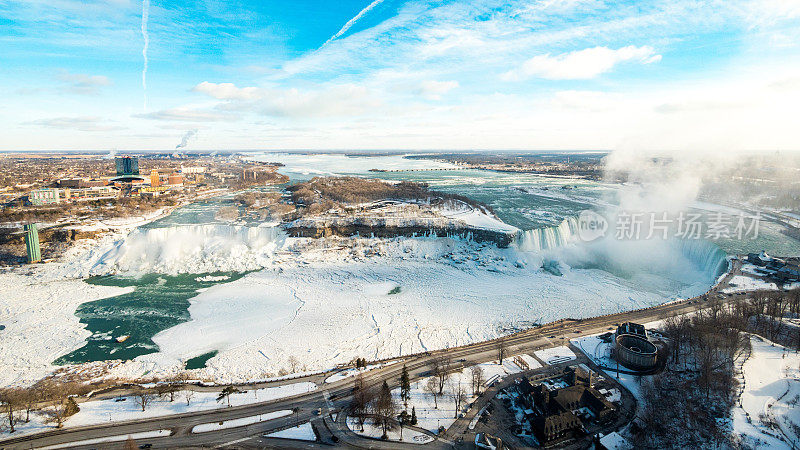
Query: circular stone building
632	349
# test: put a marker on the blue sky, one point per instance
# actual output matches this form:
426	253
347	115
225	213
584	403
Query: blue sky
392	74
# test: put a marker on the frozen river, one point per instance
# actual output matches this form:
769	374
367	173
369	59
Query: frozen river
260	302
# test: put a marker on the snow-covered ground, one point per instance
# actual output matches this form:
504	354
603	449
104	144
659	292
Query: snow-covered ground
111	410
771	392
216	426
345	310
409	213
321	302
303	432
122	437
479	219
40	322
615	441
555	355
375	431
753	269
741	283
338	376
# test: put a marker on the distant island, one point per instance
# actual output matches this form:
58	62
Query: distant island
349	206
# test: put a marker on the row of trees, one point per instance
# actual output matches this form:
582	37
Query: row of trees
767	313
56	399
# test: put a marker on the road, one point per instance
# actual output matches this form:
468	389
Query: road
549	335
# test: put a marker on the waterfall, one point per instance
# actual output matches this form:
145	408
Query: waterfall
191	249
625	258
547	238
705	255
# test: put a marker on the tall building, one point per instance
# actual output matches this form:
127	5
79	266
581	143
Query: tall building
32	243
127	170
155	179
127	165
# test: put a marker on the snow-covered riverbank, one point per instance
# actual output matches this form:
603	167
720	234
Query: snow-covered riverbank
40	323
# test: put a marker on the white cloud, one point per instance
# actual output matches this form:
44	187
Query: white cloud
331	100
433	90
185	114
80	83
701	106
339	100
768	12
583	100
228	91
83	123
581	64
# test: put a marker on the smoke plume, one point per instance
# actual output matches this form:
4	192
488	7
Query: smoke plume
186	138
146	37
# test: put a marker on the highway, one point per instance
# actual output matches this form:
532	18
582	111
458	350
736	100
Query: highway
307	404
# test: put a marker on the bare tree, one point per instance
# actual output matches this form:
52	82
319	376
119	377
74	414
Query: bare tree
502	348
64	404
167	390
432	387
439	368
30	398
457	392
10	402
188	394
705	355
477	379
793	300
294	364
143	398
403	419
362	397
182	378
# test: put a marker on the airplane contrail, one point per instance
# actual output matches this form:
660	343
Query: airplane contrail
145	15
352	21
